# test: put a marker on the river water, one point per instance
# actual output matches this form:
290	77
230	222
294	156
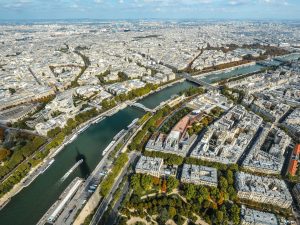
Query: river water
215	77
27	207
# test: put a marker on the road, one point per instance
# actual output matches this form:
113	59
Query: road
296	213
114	213
34	76
105	202
249	146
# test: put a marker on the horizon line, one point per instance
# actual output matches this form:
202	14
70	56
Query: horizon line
161	19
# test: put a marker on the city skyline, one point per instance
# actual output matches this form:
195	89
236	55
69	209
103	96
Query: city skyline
149	9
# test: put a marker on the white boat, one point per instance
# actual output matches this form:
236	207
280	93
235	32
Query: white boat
72	138
72	169
48	165
83	129
99	119
108	147
61	147
133	123
116	137
4	204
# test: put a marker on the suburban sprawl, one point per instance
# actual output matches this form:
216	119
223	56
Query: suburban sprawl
179	122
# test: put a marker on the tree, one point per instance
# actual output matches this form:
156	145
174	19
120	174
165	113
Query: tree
206	204
146	182
203	191
164	186
233	167
1	134
229	175
190	191
223	184
172	212
174	160
172	183
219	216
163	216
232	193
156	181
71	123
12	91
215	193
235	214
4	153
52	133
107	104
108	182
178	220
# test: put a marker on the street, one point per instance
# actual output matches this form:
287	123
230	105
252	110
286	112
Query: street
103	206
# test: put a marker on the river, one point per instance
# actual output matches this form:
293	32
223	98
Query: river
27	207
217	76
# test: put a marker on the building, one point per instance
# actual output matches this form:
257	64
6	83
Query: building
293	166
263	189
149	165
226	140
210	100
255	217
28	96
296	193
272	109
17	113
267	153
43	128
292	122
200	175
178	141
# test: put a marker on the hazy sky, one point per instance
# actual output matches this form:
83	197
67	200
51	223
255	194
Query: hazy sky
147	9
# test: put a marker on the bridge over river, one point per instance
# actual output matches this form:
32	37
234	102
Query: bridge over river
141	106
197	81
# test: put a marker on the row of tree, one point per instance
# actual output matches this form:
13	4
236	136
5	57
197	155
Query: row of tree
119	164
192	91
150	126
21	171
169	159
174	119
20	154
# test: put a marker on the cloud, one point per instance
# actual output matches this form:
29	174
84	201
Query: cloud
237	2
15	4
275	2
149	8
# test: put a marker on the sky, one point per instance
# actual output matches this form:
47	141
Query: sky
149	9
